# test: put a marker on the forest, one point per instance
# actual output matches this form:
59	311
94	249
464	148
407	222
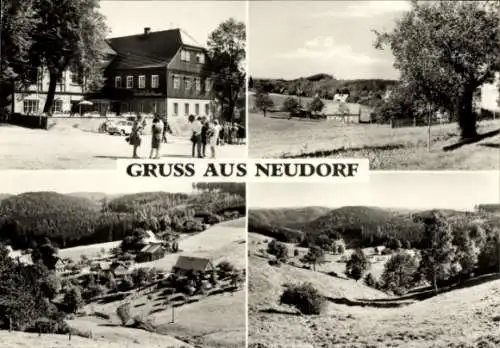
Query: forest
29	219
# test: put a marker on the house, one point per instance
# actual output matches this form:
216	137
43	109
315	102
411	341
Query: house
161	72
60	266
70	91
118	269
151	252
196	264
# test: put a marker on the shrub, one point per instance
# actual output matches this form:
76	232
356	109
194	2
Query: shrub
296	252
370	280
386	251
279	250
225	269
357	265
304	297
123	313
73	299
290	104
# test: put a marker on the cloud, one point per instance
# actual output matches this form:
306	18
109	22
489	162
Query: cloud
364	9
325	48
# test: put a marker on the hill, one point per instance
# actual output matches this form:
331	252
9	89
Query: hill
470	319
4	196
287	217
359	90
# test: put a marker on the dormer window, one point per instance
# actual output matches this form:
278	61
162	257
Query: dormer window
200	58
185	55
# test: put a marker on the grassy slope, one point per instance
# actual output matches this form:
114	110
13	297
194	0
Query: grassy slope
387	148
461	316
104	337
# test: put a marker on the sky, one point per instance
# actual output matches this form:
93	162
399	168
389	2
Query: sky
406	190
289	39
197	18
70	181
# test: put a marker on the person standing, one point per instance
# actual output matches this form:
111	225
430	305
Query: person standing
135	138
204	136
213	132
195	136
156	137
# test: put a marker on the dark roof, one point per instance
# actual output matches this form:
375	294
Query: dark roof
192	263
152	248
155	49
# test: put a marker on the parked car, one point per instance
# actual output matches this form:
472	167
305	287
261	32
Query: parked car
120	128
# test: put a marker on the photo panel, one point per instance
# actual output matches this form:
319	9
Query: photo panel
129	79
374	79
92	263
387	263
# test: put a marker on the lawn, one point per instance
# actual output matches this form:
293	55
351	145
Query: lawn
386	148
64	147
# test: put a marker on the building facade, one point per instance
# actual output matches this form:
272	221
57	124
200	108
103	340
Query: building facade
30	100
161	72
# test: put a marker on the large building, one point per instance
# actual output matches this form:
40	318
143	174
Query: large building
163	72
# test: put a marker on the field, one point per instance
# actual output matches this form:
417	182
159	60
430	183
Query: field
466	317
64	147
275	136
214	321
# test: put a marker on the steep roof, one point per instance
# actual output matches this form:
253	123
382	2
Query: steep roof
154	49
192	263
151	248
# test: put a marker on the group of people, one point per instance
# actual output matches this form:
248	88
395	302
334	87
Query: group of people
159	130
203	133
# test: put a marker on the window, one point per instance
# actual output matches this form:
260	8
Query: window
176	109
187	83
200	58
177	82
186	109
197	109
207	85
130	81
140	107
142	81
207	109
57	106
198	84
185	56
30	106
118	82
155	81
74	78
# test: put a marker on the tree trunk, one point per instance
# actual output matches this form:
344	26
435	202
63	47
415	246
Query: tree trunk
264	112
466	117
434	282
51	92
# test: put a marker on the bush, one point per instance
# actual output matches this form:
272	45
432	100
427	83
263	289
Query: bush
357	265
73	299
370	280
290	104
304	297
386	251
279	250
123	313
296	252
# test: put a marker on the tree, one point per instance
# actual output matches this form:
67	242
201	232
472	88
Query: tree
314	256
263	101
225	269
438	252
445	50
18	20
73	299
226	49
290	104
46	254
357	265
278	249
304	297
69	35
399	271
316	105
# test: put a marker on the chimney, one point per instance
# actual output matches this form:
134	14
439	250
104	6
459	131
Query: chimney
147	30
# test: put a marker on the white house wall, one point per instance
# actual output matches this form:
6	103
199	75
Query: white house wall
181	112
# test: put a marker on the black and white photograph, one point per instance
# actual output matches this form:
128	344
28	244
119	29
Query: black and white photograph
114	265
86	82
411	85
407	260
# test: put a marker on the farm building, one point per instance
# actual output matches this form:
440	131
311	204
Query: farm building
197	264
60	265
342	111
151	252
